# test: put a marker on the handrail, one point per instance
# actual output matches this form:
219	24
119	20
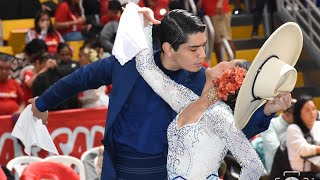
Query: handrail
226	46
190	6
210	34
306	15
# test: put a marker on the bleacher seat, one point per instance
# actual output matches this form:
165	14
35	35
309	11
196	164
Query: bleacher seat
75	46
6	49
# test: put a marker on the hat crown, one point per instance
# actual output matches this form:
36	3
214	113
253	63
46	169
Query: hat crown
273	77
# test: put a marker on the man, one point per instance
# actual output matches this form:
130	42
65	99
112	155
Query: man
11	95
135	136
275	135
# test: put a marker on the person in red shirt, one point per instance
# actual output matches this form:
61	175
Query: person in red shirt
69	20
159	7
219	13
113	13
41	63
43	29
11	95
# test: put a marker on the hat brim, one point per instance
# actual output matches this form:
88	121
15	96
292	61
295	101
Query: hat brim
285	43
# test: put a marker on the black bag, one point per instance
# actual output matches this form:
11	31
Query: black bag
281	162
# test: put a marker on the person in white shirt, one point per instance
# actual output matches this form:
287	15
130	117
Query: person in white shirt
303	137
275	135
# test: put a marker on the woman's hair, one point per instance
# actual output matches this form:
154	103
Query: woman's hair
231	101
37	18
75	8
176	27
297	111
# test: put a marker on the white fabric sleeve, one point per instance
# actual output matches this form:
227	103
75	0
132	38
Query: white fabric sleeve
221	123
296	141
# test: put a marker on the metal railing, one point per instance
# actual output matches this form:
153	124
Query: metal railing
307	15
225	47
210	34
190	6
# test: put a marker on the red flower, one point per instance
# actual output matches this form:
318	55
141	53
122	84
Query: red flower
229	82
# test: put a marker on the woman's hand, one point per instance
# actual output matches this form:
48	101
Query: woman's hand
41	115
148	16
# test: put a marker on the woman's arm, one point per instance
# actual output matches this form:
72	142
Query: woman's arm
221	123
296	141
176	95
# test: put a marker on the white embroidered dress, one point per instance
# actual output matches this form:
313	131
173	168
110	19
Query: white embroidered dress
196	150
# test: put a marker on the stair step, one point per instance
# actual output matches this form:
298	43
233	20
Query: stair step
249	43
244	32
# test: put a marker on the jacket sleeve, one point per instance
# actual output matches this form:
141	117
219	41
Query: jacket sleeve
91	76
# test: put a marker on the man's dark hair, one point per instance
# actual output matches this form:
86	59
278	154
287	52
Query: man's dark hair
177	25
114	5
36	46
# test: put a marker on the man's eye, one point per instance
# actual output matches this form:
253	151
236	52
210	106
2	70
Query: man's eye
193	50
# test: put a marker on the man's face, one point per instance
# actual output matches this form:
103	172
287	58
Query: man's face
4	70
190	55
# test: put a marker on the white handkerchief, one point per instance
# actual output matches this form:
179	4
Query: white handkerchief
130	38
32	132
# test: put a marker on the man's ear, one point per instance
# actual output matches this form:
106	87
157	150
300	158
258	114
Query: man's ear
167	48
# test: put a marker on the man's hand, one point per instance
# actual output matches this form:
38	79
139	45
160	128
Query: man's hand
280	103
41	115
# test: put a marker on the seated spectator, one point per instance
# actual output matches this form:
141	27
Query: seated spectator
43	29
40	64
65	66
275	135
69	20
92	97
303	138
22	61
11	95
113	13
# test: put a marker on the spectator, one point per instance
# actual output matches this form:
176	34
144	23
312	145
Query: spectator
11	95
69	20
275	135
65	66
219	13
22	61
40	64
159	7
303	137
43	29
92	97
113	14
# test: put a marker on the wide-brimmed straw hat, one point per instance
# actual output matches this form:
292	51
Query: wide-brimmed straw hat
271	72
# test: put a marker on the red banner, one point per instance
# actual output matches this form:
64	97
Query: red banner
72	131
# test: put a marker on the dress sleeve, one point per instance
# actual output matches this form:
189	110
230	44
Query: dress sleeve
221	123
176	95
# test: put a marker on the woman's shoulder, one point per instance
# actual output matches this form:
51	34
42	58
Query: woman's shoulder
294	127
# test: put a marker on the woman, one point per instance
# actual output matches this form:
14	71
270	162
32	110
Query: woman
204	130
43	29
303	137
69	20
